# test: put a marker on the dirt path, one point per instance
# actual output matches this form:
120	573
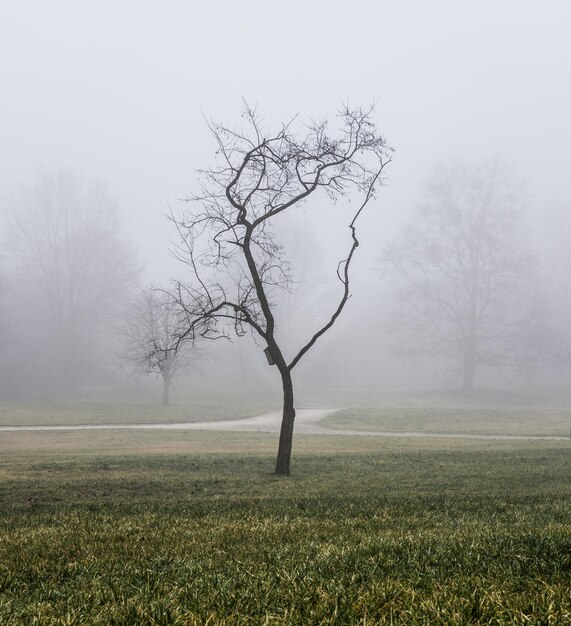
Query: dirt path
307	422
266	422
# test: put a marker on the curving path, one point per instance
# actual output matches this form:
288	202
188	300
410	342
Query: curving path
307	422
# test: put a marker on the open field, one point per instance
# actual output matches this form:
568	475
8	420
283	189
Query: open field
223	406
192	527
538	421
485	413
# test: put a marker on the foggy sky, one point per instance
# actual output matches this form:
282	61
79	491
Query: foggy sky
118	91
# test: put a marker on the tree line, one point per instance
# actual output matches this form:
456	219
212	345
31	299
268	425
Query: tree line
467	287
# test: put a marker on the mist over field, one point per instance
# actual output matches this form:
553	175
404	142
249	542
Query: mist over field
285	312
105	119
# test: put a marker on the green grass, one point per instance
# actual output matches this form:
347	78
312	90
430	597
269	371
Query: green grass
537	421
96	412
193	528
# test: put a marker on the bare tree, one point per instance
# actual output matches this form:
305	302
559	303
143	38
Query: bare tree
556	282
465	273
67	271
150	328
230	240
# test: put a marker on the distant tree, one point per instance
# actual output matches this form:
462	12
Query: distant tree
230	241
150	328
465	274
556	283
67	270
308	288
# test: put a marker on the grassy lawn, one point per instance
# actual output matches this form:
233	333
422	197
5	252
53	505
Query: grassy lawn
193	528
201	409
486	414
537	421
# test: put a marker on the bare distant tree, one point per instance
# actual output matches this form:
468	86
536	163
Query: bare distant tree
67	270
556	282
151	327
465	273
231	246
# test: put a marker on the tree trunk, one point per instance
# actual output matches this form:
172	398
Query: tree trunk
166	390
468	371
68	367
286	432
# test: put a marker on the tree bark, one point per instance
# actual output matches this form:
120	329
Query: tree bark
166	390
286	432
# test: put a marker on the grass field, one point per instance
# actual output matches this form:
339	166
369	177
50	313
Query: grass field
135	527
537	421
202	409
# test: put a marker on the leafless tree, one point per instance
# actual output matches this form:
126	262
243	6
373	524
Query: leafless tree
67	270
465	272
150	328
556	283
229	240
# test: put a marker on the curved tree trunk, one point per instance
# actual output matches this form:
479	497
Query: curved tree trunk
286	432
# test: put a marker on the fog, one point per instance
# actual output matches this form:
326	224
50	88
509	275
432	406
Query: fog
118	96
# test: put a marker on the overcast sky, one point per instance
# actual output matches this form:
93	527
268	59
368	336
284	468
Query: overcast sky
118	90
